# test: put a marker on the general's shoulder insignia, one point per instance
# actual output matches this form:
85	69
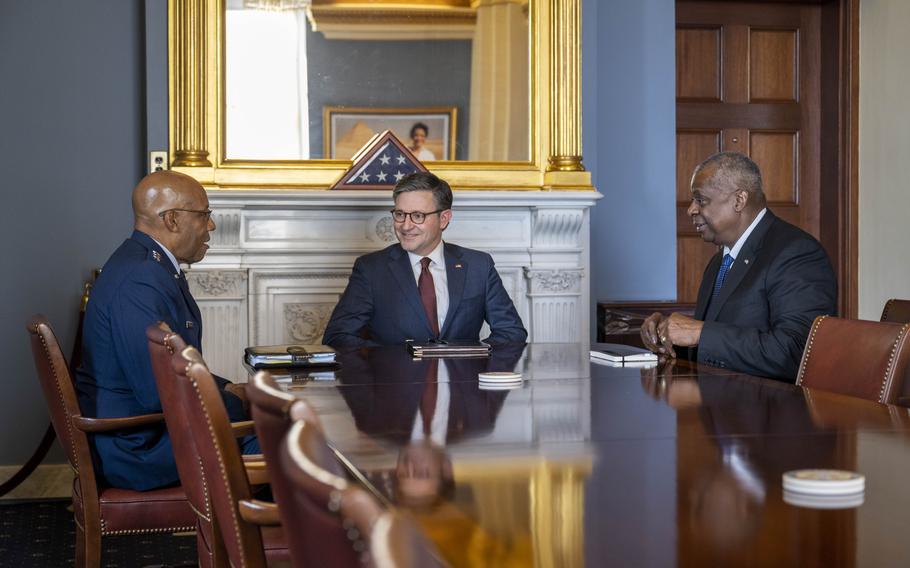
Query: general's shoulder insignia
156	255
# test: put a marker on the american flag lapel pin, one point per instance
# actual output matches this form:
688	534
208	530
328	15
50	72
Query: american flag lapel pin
189	324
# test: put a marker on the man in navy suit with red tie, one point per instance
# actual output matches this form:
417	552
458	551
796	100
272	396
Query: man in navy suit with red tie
422	288
142	283
762	290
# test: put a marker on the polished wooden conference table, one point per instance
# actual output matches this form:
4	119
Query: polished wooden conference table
592	465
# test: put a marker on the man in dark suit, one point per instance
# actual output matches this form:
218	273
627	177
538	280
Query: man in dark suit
140	284
760	292
421	288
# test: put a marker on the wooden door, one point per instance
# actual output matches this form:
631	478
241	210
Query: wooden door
747	80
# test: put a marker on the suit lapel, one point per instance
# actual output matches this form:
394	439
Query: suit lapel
456	271
707	285
400	267
744	262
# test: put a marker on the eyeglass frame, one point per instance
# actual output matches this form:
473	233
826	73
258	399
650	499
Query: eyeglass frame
410	215
205	212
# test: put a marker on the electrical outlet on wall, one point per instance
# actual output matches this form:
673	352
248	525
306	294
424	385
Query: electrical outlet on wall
157	161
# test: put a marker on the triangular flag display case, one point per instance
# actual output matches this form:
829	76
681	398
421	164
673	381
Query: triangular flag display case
379	164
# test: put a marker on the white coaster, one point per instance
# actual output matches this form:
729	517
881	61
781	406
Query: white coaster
824	482
499	377
824	501
499	386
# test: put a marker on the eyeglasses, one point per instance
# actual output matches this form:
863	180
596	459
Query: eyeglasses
206	213
417	217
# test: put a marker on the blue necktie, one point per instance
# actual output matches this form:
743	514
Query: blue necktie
721	274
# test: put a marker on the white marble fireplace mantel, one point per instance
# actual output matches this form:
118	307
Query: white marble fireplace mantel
279	260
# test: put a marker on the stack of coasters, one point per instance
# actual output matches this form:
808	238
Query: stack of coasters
499	380
824	488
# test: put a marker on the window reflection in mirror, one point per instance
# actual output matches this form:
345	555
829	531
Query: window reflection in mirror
452	85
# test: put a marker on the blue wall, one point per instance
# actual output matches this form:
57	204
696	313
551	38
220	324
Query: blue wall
71	146
629	123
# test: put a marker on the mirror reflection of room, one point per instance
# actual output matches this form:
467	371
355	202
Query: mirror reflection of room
316	79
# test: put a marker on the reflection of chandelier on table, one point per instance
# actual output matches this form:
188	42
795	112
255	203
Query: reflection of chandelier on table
277	5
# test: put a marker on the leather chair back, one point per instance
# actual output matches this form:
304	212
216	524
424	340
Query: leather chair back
379	537
866	359
60	393
163	344
98	510
317	535
218	456
896	311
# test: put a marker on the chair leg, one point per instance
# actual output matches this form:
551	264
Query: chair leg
88	547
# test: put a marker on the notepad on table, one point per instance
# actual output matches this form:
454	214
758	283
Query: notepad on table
618	353
289	356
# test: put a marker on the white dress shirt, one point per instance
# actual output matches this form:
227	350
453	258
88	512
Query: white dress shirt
742	238
440	279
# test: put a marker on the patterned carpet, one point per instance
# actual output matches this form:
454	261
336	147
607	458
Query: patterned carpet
36	534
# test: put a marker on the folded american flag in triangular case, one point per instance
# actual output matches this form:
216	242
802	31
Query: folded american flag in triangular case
380	164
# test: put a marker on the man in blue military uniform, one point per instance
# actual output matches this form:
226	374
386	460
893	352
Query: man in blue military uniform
140	284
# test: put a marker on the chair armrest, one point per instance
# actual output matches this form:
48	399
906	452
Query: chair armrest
256	471
87	424
258	512
244	428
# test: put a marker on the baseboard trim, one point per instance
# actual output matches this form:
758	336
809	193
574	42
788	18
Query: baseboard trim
47	481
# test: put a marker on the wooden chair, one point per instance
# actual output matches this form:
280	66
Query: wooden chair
866	359
249	528
379	536
318	536
99	511
896	311
163	344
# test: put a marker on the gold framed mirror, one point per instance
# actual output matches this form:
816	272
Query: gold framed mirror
520	115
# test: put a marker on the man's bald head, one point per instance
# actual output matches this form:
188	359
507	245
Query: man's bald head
173	209
161	191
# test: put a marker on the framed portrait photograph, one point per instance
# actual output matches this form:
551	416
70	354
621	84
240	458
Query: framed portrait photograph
429	133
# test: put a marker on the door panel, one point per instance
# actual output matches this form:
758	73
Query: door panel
698	52
765	57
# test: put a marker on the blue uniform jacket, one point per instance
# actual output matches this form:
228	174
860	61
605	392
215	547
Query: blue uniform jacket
138	286
381	304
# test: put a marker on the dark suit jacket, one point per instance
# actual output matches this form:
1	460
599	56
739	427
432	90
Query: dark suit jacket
138	286
758	324
381	304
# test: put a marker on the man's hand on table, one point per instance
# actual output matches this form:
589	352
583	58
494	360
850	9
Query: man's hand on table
660	333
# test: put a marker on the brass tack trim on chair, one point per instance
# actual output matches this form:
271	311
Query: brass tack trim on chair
167	343
808	354
144	531
69	425
205	491
221	466
887	378
888	305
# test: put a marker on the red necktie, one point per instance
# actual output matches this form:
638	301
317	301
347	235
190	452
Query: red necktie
428	398
428	294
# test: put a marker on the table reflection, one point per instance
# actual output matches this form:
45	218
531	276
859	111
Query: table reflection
588	464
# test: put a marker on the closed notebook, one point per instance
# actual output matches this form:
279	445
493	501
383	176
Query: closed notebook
289	356
442	348
618	353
